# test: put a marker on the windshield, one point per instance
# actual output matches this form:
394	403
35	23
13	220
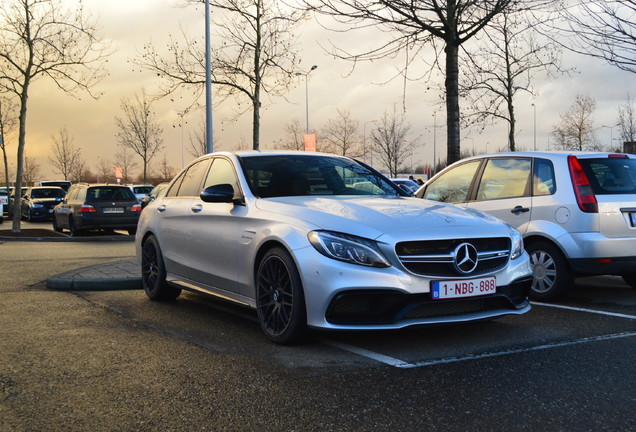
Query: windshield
610	176
142	189
301	175
48	193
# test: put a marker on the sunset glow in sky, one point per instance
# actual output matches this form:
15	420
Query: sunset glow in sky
129	24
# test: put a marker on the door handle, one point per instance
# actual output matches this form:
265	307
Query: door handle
161	208
520	209
196	208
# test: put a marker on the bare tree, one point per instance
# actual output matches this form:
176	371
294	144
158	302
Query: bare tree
603	29
627	120
124	160
444	25
78	170
165	172
507	57
256	54
575	130
139	130
41	38
105	171
31	170
390	142
65	154
341	135
8	121
293	139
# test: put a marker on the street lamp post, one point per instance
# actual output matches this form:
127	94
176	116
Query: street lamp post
181	114
306	74
611	128
435	143
535	126
209	135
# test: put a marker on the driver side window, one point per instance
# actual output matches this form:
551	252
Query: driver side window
453	186
222	172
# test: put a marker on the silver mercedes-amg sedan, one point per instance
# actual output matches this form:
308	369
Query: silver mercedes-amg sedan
320	241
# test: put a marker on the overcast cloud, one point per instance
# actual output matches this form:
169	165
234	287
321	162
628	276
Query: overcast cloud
129	24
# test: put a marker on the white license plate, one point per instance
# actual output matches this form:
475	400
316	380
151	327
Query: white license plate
464	288
113	210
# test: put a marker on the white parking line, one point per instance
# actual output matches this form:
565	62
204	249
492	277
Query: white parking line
388	360
593	311
405	365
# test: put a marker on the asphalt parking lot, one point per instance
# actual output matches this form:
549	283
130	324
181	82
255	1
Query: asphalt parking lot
113	360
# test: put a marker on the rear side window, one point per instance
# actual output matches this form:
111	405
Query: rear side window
543	180
611	176
108	193
193	179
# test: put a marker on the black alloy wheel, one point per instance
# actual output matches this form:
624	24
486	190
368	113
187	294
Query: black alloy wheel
552	275
153	272
280	301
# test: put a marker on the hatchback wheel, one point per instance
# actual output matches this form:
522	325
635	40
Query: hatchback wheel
630	279
153	272
552	275
280	301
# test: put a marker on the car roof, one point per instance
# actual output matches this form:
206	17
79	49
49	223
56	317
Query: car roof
551	154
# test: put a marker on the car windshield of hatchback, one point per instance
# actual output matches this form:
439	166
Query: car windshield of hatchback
107	193
48	193
300	175
142	189
610	176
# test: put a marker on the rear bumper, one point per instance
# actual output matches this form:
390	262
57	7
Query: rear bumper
604	266
95	222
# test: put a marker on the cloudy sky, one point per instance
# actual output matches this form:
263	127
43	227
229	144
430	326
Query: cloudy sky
129	24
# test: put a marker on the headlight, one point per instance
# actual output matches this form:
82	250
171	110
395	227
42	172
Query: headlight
517	242
343	247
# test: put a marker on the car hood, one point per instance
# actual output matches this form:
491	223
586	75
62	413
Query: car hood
372	217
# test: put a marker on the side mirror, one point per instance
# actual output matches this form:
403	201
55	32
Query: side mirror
221	193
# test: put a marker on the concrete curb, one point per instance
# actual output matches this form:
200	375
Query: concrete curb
118	275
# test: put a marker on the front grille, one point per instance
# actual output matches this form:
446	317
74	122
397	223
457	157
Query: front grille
386	307
437	257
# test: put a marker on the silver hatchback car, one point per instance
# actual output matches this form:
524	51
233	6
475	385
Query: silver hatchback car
576	210
290	235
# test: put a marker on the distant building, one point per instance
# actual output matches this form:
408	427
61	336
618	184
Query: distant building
629	147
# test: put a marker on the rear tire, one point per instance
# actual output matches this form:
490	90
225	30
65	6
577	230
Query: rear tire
630	279
153	272
553	277
280	300
56	227
72	228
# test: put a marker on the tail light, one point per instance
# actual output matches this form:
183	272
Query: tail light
85	208
136	208
585	197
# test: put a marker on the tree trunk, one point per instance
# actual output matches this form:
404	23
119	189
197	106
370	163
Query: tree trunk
452	103
17	192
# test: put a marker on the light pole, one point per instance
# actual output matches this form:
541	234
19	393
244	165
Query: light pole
435	143
209	143
534	107
181	114
611	128
306	74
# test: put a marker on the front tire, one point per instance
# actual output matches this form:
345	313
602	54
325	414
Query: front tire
630	279
553	277
153	272
280	300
